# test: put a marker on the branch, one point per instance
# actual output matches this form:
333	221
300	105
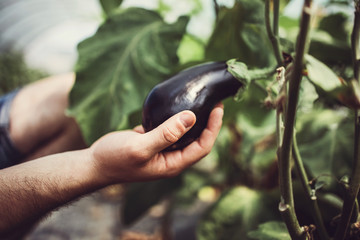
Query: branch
286	189
316	214
274	30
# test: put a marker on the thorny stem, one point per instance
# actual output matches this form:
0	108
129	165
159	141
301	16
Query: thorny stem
350	198
289	216
316	214
273	31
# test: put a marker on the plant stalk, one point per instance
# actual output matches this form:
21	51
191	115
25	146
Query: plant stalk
311	197
276	6
273	31
289	216
217	8
350	198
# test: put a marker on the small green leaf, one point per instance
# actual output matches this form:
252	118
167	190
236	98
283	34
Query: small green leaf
117	67
273	230
320	75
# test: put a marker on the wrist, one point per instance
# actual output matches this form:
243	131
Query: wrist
99	174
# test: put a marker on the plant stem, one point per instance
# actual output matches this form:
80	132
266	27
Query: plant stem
316	214
355	41
289	216
263	73
217	8
350	198
276	18
274	30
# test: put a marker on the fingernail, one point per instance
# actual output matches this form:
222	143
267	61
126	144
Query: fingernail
187	119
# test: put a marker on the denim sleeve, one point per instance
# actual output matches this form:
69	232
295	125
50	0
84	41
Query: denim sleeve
9	155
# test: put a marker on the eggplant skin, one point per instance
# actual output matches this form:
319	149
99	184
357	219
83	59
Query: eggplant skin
197	89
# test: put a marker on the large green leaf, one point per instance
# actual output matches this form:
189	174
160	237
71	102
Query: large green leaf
325	139
237	212
240	33
130	53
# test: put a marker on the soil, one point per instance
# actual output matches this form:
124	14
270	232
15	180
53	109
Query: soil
97	217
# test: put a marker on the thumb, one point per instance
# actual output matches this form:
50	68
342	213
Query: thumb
170	131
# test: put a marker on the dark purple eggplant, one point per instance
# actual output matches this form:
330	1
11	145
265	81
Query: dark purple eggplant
197	89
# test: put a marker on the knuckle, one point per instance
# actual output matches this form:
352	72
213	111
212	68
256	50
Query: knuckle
170	136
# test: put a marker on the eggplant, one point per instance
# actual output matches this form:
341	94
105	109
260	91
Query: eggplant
197	89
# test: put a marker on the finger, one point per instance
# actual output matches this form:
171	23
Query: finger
201	147
220	105
139	129
169	132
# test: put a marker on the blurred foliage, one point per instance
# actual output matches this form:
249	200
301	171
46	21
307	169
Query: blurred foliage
14	72
243	28
135	205
271	230
135	49
109	6
238	211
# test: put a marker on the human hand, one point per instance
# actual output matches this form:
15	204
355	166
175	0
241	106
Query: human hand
133	155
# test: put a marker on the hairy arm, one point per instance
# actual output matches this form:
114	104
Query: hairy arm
28	191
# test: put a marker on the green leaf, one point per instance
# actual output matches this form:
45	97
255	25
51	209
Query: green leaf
239	70
325	139
117	67
331	88
109	6
272	230
323	78
337	25
191	49
237	212
246	144
141	196
328	49
240	33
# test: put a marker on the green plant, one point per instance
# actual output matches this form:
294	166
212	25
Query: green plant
294	121
14	72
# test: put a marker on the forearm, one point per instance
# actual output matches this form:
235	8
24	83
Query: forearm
29	191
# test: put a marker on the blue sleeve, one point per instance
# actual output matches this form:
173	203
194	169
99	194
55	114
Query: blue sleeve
9	155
